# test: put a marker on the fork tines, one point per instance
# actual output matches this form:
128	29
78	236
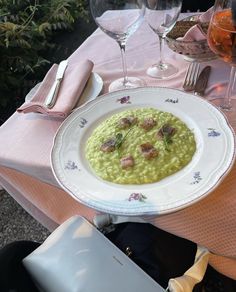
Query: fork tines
191	76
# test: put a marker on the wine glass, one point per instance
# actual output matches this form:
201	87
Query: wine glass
161	15
119	19
222	41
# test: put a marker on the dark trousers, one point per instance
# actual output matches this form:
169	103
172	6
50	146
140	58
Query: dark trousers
13	275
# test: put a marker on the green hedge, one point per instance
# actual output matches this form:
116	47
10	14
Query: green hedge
27	29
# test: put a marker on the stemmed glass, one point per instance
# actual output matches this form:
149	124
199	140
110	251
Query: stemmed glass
119	19
222	41
161	15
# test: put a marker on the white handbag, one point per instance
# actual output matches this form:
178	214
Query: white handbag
77	257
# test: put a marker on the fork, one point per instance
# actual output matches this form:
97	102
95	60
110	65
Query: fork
191	76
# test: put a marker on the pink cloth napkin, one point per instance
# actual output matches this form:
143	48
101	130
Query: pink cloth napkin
195	33
71	87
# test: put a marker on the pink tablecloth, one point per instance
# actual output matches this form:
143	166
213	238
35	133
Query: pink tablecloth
26	141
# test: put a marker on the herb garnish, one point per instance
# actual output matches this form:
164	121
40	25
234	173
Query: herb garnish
119	139
166	133
167	140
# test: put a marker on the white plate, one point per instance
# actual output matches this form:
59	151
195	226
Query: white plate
92	89
213	158
32	92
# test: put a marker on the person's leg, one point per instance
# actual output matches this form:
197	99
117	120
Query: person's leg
160	254
216	282
13	275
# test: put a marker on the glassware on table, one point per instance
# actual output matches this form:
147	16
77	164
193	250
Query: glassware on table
222	41
161	15
119	19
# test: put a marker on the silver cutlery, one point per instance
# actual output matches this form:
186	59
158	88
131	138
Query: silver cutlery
191	76
52	95
202	81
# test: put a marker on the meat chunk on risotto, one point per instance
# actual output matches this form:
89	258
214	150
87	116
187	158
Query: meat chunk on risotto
148	124
127	122
127	161
148	150
109	145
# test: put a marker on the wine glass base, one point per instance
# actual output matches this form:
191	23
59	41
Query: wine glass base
226	108
133	82
162	71
219	102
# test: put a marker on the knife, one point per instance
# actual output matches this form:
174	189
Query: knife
52	95
202	81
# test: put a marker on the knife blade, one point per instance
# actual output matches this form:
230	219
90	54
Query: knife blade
52	95
202	81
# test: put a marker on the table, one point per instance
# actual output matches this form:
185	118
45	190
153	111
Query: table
26	141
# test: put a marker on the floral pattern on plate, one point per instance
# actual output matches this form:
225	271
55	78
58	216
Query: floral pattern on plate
71	165
124	100
213	133
137	197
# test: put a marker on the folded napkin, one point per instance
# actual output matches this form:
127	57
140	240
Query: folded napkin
196	33
71	87
206	16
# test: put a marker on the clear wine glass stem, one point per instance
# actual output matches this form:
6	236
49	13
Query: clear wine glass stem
161	42
124	66
226	104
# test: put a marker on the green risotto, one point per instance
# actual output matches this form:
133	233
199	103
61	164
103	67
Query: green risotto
140	146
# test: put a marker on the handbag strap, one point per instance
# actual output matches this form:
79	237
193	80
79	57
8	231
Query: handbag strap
193	275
